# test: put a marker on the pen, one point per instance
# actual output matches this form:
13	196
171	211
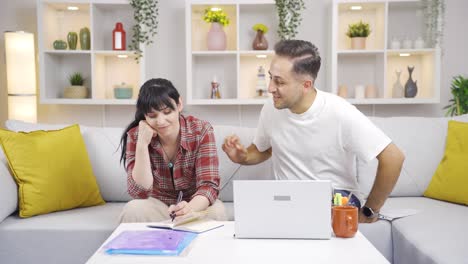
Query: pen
179	199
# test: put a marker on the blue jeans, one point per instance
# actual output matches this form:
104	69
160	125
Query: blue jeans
354	201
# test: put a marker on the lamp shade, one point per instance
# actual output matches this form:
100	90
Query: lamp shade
21	75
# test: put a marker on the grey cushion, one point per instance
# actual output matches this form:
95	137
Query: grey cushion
62	237
380	235
437	234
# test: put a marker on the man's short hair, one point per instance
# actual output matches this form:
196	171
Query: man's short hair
304	55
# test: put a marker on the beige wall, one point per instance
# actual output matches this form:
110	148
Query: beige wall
166	58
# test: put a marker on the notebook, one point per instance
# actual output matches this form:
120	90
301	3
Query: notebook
283	209
195	223
150	242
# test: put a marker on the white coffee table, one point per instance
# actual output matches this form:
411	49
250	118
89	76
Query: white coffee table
218	246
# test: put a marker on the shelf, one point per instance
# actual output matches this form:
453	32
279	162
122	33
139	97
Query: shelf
60	67
359	52
377	101
236	67
110	70
376	65
67	51
58	21
102	67
214	52
251	14
371	13
199	28
104	18
251	101
65	101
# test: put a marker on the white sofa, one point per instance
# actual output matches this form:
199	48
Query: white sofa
435	235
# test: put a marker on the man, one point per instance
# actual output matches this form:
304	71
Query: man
311	134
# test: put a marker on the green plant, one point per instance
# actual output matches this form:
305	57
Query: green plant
145	14
213	15
359	29
434	18
459	102
262	27
289	14
76	79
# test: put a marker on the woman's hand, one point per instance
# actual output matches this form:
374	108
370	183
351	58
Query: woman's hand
145	133
180	210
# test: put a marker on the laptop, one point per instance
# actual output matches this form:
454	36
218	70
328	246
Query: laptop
298	209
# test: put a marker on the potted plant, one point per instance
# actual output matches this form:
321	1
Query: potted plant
76	88
216	37
145	13
358	32
260	42
289	15
459	102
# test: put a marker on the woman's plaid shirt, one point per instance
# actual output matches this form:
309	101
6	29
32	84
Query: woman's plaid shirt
195	168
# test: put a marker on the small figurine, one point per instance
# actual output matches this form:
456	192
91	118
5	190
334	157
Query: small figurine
261	87
215	94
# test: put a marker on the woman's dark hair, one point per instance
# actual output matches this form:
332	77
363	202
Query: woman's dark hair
155	94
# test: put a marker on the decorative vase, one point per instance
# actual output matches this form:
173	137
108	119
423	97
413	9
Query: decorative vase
343	91
60	45
216	38
407	43
260	42
359	91
72	39
85	39
398	89
411	88
419	43
371	91
395	44
358	43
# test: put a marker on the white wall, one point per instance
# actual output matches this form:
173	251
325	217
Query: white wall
166	58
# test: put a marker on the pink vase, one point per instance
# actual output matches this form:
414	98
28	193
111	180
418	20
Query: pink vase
216	38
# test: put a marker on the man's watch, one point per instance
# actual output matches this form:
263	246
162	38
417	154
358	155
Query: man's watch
368	212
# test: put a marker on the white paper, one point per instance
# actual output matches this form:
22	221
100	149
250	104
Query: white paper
392	214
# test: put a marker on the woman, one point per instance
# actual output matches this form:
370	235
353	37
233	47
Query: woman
166	153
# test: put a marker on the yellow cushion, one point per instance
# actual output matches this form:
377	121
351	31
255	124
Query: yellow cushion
52	170
450	181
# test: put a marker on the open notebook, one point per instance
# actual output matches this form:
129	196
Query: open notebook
195	223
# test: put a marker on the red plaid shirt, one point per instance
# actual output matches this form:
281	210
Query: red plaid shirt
195	166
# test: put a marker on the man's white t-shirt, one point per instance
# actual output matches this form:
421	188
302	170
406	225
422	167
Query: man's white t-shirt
321	143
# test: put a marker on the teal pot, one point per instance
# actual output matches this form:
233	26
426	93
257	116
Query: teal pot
60	45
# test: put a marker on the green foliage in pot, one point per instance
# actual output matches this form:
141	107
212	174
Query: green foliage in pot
145	14
289	14
358	30
216	15
262	27
434	19
76	79
459	103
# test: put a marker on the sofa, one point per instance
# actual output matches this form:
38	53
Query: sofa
436	234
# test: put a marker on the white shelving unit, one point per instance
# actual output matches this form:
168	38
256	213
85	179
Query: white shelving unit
236	67
101	66
376	65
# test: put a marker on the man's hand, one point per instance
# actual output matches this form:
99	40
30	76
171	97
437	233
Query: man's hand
365	219
234	149
145	133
